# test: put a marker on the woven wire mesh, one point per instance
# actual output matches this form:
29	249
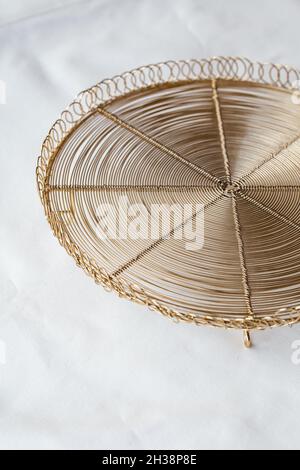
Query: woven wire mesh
223	132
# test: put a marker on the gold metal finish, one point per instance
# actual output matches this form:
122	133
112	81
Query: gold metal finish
224	132
247	339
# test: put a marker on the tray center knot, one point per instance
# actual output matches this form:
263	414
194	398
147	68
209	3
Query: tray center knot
229	188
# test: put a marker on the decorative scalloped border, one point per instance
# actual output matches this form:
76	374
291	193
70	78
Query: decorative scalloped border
165	73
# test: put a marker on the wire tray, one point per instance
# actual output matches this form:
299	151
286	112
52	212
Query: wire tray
222	132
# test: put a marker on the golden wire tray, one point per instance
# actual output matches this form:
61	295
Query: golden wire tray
222	132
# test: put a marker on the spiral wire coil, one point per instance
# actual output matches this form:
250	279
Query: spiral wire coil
223	132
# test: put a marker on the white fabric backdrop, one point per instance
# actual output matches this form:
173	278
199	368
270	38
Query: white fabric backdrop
80	368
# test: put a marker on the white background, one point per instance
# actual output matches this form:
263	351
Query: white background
80	368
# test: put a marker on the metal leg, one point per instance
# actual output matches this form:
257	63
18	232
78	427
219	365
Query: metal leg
247	339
